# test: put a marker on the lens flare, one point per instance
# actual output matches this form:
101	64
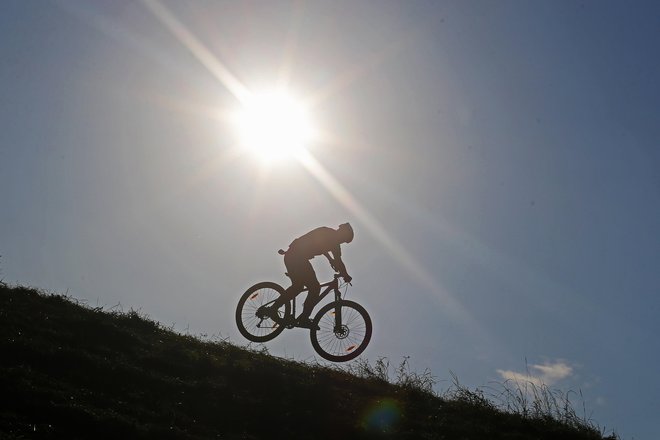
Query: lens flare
383	416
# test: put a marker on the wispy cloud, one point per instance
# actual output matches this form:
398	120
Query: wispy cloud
540	374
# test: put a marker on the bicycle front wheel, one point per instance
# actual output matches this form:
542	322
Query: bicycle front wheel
250	318
341	340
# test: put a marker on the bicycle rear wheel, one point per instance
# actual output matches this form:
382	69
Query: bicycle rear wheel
250	319
343	341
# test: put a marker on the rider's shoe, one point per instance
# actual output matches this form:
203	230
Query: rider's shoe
307	323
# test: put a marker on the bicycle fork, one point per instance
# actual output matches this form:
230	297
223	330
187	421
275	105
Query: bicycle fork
338	321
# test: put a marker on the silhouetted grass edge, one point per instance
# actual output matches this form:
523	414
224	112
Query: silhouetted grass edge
526	400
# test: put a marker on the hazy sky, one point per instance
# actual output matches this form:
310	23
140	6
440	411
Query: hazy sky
500	163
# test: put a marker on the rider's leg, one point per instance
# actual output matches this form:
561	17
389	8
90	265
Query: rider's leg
311	300
293	266
289	293
314	289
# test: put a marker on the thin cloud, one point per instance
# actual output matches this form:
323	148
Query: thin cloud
554	372
540	374
519	377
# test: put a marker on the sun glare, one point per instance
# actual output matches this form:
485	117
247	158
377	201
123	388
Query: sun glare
274	126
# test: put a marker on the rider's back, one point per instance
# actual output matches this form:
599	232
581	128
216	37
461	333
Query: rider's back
316	242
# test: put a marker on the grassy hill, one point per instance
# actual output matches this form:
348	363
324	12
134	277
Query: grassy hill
70	371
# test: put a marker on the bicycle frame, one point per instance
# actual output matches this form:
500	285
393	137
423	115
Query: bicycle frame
329	286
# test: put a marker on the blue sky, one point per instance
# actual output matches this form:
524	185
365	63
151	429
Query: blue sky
505	157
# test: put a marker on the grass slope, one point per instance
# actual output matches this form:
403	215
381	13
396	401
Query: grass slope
69	371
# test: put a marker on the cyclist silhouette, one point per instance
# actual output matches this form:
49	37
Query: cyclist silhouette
320	241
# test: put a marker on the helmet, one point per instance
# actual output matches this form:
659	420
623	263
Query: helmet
346	231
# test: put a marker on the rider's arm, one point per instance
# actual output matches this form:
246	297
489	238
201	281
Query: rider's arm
330	260
339	266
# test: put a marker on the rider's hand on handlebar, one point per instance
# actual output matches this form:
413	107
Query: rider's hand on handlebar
347	278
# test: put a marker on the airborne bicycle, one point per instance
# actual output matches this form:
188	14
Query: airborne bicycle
341	329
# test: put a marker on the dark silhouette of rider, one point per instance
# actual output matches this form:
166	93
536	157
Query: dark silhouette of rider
320	241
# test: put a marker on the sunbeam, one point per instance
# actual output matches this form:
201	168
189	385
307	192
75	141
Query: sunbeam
414	268
291	45
198	49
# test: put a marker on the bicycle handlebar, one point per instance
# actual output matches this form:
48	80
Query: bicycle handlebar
338	275
334	278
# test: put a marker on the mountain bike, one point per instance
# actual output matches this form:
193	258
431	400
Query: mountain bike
341	329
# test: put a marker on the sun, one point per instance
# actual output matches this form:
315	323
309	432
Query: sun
274	126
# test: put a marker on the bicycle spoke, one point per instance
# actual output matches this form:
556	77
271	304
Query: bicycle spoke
346	340
249	314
